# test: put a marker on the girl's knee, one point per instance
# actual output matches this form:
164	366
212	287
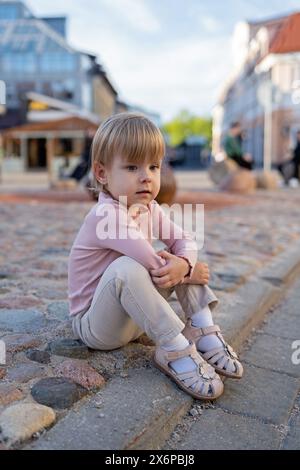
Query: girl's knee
126	266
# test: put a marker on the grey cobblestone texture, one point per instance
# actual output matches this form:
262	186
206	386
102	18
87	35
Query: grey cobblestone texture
35	239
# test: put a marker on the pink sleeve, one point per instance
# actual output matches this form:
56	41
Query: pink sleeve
178	241
135	245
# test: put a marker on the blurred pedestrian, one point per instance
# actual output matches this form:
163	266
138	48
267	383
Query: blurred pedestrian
296	158
233	146
290	169
84	164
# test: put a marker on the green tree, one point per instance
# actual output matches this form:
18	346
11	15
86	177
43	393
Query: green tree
186	124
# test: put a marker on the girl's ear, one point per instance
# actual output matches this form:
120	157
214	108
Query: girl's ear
100	172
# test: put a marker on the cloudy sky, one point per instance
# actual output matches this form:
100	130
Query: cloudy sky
165	55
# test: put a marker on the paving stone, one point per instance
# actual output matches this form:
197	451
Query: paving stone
20	321
2	372
217	430
273	353
59	310
69	348
16	343
81	373
9	393
281	324
21	302
4	291
57	392
20	422
292	440
127	413
55	250
4	275
254	395
38	356
24	372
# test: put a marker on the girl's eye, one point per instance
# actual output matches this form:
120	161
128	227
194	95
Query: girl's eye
152	167
131	167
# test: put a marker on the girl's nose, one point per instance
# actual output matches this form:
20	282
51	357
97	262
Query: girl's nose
145	177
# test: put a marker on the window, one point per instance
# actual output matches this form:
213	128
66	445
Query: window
57	62
23	87
8	12
19	62
25	29
63	90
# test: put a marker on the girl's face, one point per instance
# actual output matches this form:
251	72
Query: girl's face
139	182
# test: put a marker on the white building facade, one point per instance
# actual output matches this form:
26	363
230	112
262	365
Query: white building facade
263	93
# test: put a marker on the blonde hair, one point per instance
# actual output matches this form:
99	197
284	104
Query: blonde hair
131	136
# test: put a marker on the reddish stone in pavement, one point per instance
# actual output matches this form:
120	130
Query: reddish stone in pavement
8	394
2	372
81	373
19	302
16	343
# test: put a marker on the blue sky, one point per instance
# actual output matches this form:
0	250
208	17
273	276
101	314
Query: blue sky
165	55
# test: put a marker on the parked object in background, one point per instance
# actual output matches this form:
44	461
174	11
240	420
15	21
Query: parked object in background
230	177
168	185
239	181
190	154
267	179
219	170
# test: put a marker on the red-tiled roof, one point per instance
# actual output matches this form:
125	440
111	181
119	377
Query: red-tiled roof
288	37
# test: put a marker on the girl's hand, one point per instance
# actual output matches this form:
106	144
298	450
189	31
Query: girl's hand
200	274
172	273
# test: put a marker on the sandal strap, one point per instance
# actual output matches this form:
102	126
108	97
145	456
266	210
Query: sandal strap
209	330
195	333
170	356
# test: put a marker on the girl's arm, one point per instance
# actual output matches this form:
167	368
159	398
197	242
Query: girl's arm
178	241
124	236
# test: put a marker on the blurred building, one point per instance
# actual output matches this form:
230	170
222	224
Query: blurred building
55	94
35	56
263	92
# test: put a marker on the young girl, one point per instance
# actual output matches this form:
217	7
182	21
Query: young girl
118	284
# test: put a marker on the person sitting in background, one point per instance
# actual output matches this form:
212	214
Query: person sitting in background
296	158
233	147
84	164
290	169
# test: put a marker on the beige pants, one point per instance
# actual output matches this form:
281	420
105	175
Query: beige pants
126	303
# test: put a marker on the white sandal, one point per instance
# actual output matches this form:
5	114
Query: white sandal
218	358
207	384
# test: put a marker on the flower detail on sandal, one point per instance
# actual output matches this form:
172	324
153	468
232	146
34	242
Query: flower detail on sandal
224	359
202	382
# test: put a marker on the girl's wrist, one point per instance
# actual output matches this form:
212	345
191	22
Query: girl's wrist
188	265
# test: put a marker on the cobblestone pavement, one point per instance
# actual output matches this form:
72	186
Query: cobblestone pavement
46	370
263	410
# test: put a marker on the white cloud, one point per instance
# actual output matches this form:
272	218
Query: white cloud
209	24
178	74
180	71
136	13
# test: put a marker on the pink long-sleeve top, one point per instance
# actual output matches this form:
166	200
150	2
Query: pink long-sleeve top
109	231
